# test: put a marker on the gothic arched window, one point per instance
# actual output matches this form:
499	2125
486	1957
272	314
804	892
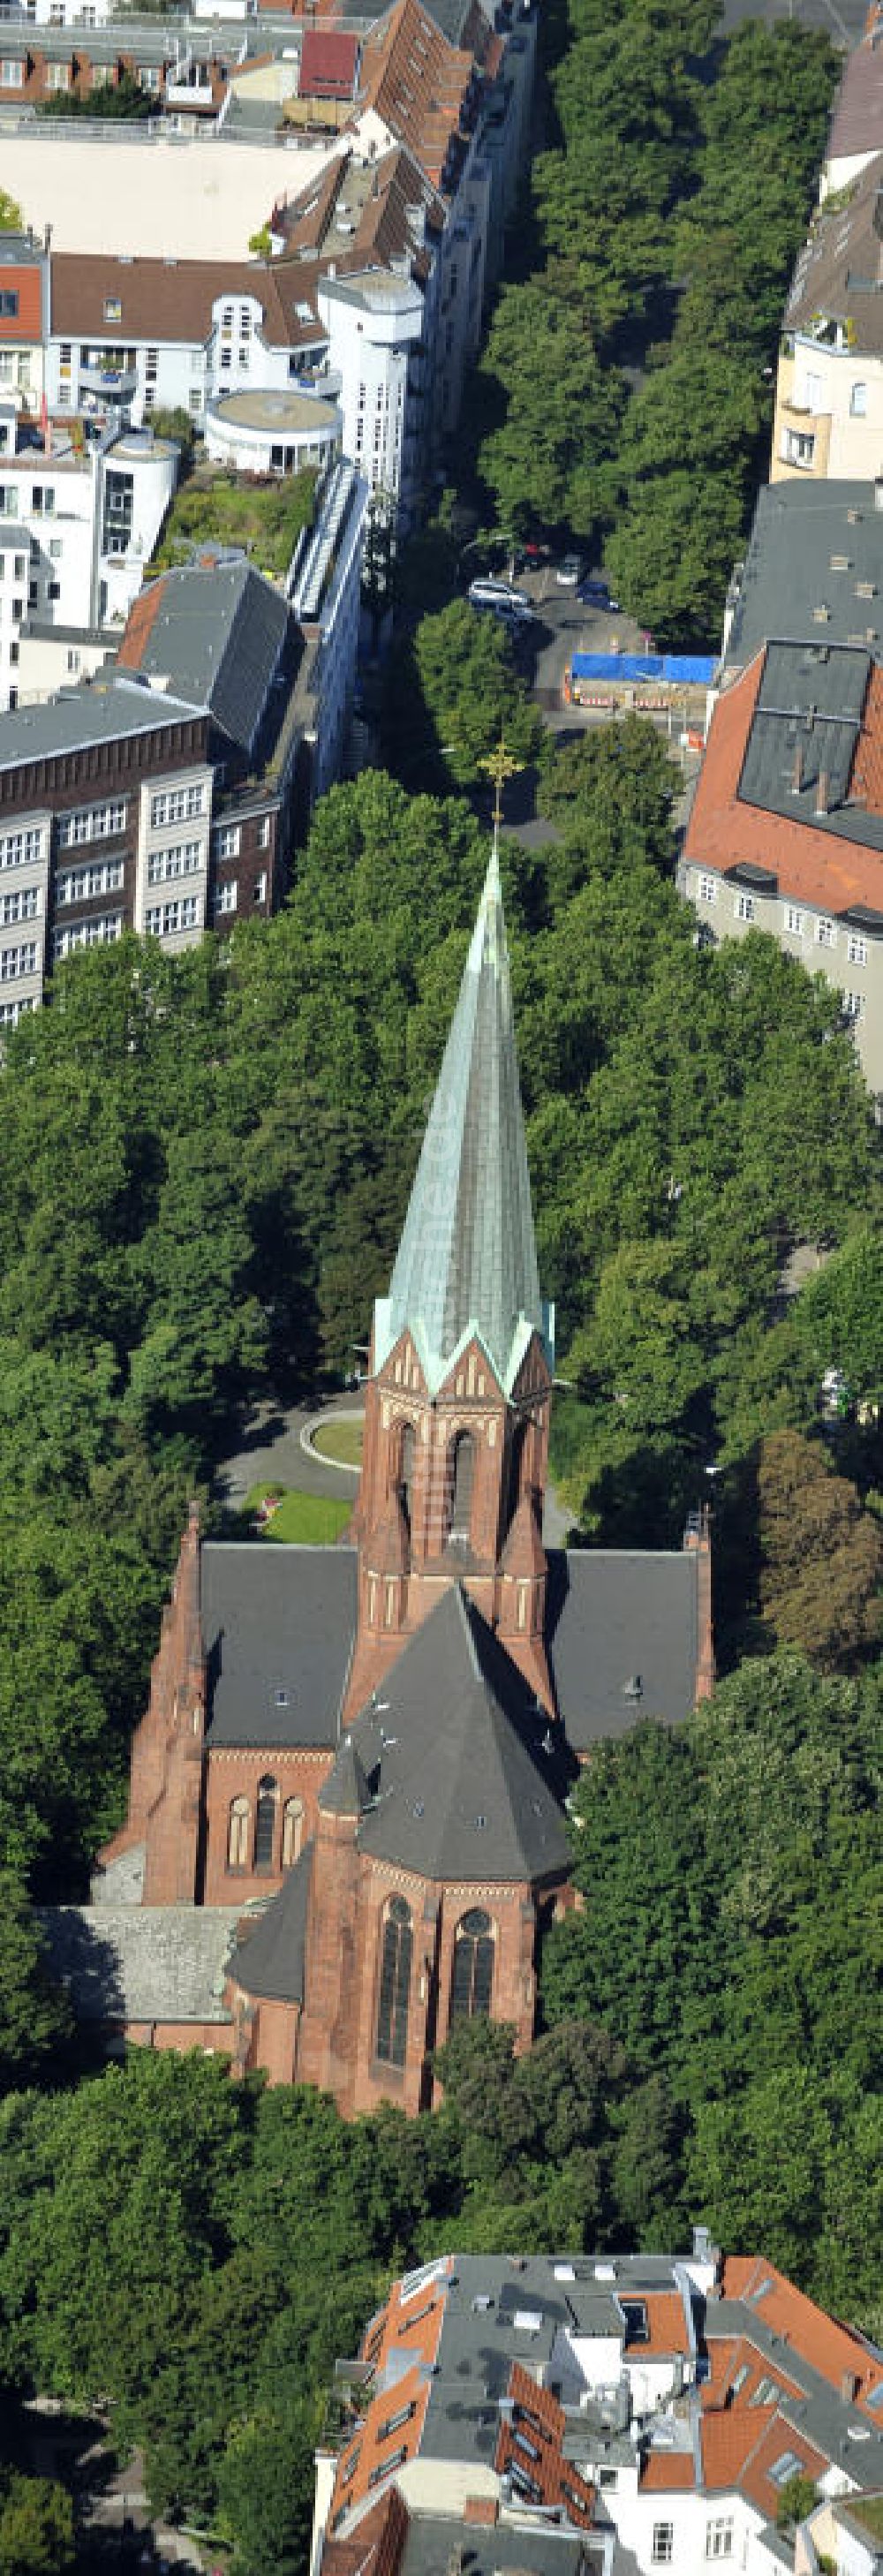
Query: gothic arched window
237	1833
462	1474
397	1942
473	1975
292	1831
265	1824
517	1462
406	1469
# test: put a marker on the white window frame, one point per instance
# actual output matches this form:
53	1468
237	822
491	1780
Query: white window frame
662	2551
826	934
856	950
745	907
719	2537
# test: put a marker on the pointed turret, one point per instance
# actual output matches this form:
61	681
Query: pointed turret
467	1259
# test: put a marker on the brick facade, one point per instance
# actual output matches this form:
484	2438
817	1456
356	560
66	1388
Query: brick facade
414	1540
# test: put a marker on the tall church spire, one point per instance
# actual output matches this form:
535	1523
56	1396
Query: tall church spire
467	1257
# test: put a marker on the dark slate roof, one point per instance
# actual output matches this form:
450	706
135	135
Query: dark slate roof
99	711
278	1626
613	1618
467	1258
142	1963
216	632
345	1792
433	2541
453	1749
812	543
269	1962
810	698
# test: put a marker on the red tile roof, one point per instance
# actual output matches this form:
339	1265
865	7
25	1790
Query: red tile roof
417	83
819	866
830	2348
668	2473
666	2327
139	625
728	2437
328	63
531	2441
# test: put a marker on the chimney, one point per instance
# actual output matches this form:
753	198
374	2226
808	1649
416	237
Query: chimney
878	491
47	245
797	772
822	792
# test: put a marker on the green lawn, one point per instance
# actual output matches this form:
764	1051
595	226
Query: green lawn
340	1440
310	1519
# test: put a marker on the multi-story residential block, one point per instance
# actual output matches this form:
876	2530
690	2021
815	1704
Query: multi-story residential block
786	830
78	523
165	795
829	390
24	318
592	2415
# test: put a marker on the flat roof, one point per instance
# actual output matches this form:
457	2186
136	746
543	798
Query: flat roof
84	716
293	413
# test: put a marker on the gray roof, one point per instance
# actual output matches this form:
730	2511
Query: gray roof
614	1618
345	1792
857	122
810	700
838	273
454	1754
106	711
433	2541
269	1961
218	632
523	2309
278	1626
801	529
142	1963
467	1258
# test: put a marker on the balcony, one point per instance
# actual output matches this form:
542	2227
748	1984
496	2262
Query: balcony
116	384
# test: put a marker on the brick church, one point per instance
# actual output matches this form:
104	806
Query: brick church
346	1822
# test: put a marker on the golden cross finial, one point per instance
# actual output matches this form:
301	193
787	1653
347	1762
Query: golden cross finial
500	766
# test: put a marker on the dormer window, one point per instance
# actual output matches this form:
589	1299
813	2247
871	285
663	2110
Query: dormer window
113	308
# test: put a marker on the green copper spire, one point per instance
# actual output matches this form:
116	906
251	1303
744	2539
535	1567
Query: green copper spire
467	1259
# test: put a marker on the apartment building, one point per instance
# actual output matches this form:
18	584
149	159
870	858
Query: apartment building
829	388
786	830
587	2416
24	318
78	523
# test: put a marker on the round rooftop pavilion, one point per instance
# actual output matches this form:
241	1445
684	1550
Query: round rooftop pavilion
265	431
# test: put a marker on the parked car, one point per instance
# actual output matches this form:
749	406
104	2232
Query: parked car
569	572
595	594
509	614
488	592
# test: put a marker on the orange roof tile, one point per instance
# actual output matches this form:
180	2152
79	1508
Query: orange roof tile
751	2368
728	2437
666	2326
820	866
668	2473
779	2440
830	2348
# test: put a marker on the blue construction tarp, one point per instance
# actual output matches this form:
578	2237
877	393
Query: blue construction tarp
679	669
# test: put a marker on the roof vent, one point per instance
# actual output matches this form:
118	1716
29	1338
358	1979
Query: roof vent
866	590
633	1688
853	517
840	563
821	614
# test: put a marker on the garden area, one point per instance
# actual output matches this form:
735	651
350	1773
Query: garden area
216	508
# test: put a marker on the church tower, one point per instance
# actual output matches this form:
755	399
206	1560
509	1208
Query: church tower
457	1402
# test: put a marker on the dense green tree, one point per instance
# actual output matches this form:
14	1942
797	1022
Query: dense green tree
36	2023
36	2528
821	1555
